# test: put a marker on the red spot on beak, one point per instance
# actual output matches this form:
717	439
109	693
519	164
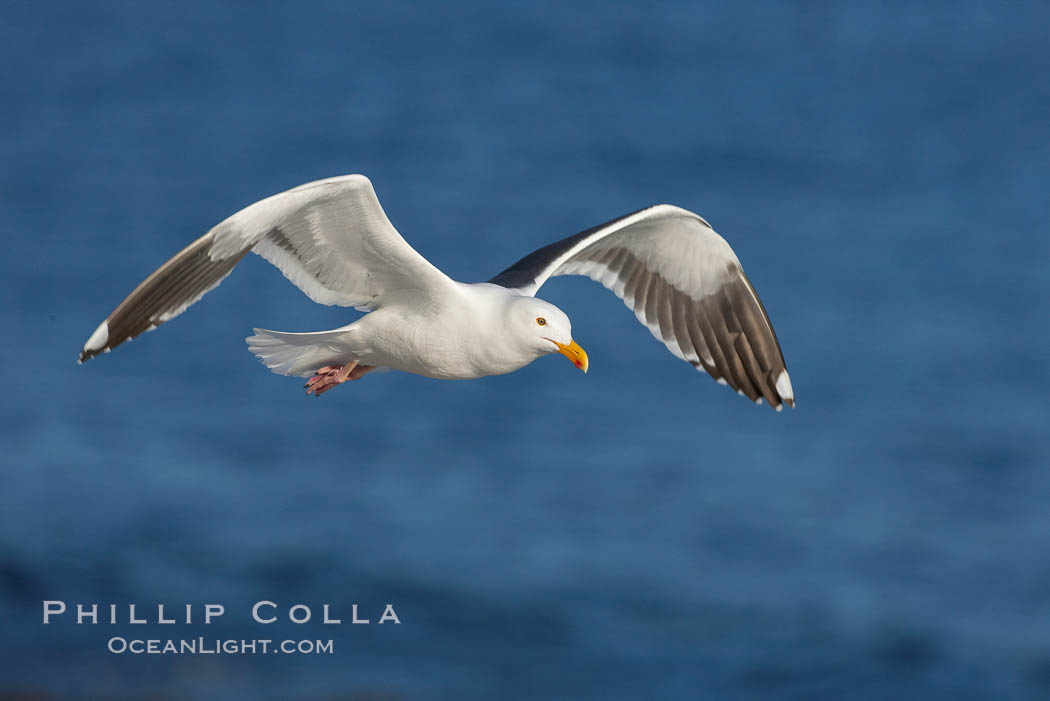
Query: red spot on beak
573	352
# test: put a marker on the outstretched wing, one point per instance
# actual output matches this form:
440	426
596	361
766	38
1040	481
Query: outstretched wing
683	281
330	237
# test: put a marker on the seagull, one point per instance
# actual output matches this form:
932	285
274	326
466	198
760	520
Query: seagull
332	240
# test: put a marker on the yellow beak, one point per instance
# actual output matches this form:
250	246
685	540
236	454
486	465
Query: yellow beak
577	355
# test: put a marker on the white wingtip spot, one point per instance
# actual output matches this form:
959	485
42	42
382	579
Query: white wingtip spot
98	339
721	381
783	386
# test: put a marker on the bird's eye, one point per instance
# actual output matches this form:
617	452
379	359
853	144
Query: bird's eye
541	321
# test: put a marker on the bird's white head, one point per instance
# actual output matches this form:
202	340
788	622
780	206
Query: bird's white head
543	328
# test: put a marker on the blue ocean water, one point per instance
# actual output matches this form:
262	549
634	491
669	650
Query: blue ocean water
636	533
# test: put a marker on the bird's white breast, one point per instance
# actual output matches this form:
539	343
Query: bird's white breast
464	337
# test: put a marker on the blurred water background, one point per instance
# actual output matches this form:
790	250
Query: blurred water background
637	533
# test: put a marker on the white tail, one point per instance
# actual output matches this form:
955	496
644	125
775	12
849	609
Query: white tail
299	354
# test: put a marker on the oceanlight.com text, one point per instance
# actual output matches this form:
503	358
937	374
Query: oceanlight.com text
214	646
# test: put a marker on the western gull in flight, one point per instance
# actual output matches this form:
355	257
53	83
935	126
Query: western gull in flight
332	239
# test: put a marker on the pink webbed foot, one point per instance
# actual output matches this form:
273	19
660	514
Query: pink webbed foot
334	375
